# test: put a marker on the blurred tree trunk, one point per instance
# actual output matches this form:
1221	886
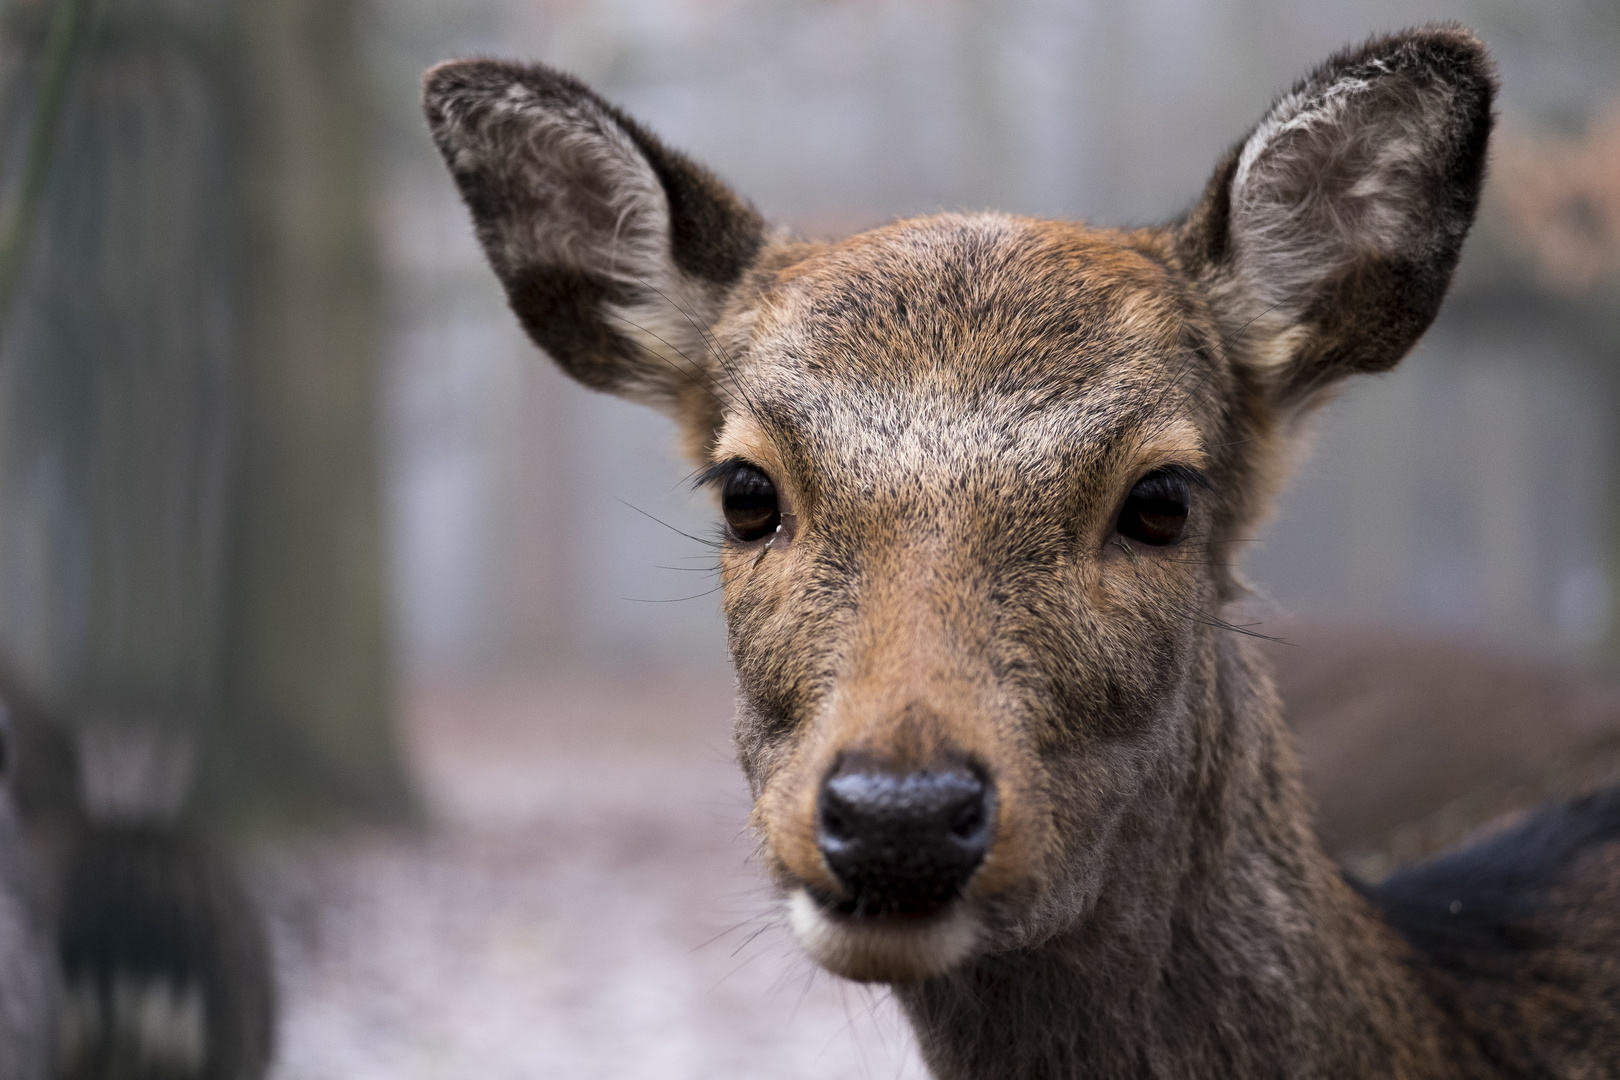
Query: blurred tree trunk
116	386
306	677
191	562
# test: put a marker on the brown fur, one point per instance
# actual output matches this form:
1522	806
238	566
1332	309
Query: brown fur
952	411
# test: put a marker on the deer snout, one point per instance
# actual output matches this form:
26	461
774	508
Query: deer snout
903	842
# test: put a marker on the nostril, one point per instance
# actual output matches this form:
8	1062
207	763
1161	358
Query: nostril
903	843
834	818
969	821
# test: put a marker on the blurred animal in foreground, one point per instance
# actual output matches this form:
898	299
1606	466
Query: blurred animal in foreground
30	980
159	953
979	476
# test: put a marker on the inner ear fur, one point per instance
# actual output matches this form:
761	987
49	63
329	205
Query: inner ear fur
1327	237
616	252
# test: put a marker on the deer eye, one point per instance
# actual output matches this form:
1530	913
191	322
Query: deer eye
1155	512
748	500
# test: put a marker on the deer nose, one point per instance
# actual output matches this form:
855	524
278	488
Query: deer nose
903	843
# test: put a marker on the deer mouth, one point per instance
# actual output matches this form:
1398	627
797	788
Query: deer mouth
885	945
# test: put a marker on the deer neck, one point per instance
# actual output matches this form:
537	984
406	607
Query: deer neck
1226	943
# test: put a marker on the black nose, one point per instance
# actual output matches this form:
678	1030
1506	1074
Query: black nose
903	843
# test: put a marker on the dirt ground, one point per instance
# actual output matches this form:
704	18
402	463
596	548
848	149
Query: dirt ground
584	906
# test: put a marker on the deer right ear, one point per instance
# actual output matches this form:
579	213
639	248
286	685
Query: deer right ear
616	252
1327	238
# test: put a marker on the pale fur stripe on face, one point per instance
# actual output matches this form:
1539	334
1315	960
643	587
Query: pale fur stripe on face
888	951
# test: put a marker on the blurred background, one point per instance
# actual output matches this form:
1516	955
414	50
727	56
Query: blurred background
315	551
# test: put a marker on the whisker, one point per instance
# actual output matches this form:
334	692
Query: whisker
707	384
671	599
706	543
750	939
712	344
1218	623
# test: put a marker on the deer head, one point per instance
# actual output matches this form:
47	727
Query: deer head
979	472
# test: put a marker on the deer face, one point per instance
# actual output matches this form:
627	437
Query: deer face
968	487
978	472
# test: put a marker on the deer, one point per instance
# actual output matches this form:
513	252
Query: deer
129	946
1411	742
1008	751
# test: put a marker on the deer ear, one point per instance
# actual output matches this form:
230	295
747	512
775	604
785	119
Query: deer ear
616	252
1326	239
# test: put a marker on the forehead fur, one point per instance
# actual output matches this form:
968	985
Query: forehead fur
958	338
982	302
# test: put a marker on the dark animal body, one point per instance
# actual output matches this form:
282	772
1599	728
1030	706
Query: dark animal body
30	979
153	960
979	476
1410	744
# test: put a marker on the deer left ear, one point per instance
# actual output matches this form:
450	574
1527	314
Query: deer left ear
1326	239
616	252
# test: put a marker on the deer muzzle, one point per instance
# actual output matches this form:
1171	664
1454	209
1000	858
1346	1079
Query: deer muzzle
898	841
902	843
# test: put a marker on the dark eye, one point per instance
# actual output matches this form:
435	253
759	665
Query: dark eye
748	499
1155	512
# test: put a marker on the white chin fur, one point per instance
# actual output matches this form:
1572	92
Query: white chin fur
886	950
